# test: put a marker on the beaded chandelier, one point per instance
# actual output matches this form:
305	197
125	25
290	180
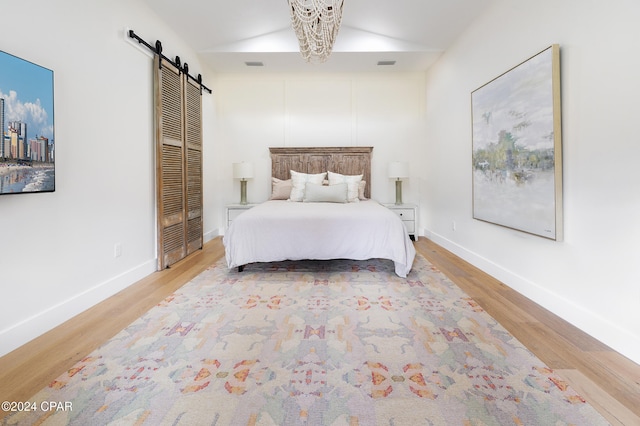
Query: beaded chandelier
316	24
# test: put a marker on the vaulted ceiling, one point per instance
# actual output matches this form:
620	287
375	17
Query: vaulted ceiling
227	34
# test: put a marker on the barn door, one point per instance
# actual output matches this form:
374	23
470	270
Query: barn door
193	163
178	164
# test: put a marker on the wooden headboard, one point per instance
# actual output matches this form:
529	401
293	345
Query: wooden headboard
344	160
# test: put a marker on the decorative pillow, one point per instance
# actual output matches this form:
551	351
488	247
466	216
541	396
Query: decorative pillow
298	182
353	183
361	187
280	189
325	194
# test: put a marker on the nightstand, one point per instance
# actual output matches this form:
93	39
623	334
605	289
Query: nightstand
234	210
409	215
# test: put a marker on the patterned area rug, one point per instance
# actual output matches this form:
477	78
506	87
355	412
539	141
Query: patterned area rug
313	343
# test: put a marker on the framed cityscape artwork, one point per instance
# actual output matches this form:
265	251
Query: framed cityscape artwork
27	143
517	147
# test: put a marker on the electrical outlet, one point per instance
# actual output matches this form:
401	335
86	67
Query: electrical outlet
117	250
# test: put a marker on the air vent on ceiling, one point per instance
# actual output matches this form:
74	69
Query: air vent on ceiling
386	62
254	64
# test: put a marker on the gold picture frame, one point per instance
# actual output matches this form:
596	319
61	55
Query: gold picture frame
517	147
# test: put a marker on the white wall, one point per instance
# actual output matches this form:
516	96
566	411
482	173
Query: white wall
383	110
592	278
57	249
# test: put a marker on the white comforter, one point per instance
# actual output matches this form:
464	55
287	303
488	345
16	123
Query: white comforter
284	230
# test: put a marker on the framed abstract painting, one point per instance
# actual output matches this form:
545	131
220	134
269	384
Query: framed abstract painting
517	147
27	143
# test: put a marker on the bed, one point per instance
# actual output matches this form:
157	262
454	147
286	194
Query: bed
312	227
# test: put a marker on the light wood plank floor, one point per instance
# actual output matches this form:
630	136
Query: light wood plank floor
609	381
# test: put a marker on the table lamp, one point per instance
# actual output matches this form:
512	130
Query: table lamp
243	171
398	170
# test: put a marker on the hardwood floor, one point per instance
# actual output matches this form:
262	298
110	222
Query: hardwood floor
609	381
33	366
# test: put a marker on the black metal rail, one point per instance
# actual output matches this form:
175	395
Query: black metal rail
157	49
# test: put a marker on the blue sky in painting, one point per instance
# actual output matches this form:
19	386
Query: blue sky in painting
27	89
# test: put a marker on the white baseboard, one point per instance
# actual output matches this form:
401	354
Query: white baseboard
18	334
611	334
208	236
600	328
28	329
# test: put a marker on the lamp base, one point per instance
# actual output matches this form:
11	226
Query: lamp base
243	192
398	192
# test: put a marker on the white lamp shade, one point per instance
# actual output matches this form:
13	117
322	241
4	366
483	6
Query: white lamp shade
242	170
398	169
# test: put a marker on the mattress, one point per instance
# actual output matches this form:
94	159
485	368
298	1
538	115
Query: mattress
283	230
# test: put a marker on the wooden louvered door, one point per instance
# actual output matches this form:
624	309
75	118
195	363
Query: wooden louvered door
178	164
193	139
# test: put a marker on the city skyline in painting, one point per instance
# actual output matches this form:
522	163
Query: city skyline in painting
27	145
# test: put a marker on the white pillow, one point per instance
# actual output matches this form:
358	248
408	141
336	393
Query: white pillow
315	193
298	182
353	184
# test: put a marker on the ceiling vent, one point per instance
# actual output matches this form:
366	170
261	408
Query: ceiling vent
254	64
382	63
